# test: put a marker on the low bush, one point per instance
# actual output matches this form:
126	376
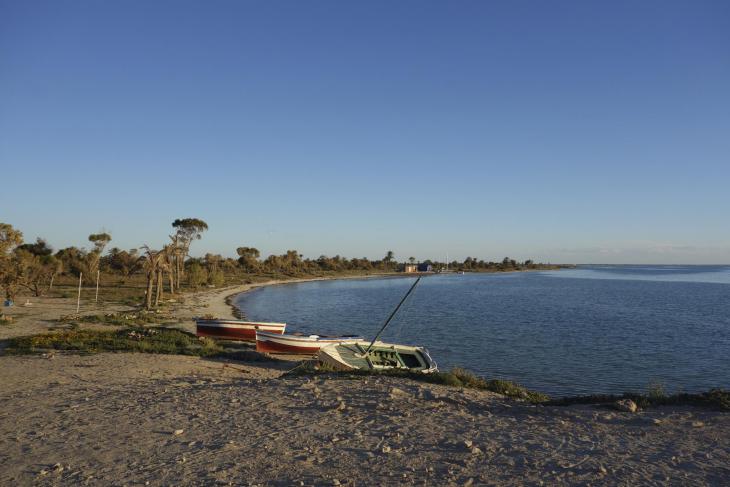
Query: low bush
128	318
147	340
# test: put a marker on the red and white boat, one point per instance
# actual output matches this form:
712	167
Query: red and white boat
297	343
236	329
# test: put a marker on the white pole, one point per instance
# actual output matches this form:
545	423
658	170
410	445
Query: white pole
51	286
78	299
96	299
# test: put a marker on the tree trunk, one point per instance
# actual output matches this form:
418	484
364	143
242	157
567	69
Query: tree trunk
181	271
158	293
172	281
177	270
148	299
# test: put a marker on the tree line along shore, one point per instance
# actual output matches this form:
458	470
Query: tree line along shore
145	275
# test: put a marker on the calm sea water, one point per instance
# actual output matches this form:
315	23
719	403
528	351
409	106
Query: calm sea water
594	329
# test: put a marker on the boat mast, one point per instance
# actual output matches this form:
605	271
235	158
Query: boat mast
392	315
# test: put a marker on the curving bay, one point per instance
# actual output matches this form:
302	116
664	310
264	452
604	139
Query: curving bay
594	329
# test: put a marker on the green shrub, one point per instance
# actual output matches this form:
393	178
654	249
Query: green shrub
148	340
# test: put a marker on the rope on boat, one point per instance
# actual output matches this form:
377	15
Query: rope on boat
387	322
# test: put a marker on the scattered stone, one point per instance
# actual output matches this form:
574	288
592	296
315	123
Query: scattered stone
697	424
468	443
476	451
335	482
469	482
625	405
58	468
396	393
386	449
178	432
602	470
341	406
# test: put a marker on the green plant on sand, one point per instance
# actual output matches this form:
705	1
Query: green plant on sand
147	340
124	318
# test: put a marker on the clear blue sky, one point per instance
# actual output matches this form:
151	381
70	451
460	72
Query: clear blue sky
560	131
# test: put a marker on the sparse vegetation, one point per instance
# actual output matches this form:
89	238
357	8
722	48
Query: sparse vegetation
718	399
456	377
120	319
146	340
133	339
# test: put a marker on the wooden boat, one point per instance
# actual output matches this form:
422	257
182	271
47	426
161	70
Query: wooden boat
297	343
382	356
235	329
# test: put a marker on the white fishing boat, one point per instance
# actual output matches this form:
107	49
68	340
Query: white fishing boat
377	356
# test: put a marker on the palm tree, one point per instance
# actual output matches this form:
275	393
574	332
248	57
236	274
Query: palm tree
388	259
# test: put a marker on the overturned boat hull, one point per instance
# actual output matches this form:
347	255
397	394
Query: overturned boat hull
297	344
382	356
236	329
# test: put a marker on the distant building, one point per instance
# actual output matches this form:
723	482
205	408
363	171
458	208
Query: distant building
413	268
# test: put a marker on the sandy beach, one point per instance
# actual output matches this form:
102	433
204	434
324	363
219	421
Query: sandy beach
139	419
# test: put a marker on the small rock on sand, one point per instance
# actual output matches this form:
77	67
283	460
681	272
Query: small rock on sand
396	393
178	432
625	405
